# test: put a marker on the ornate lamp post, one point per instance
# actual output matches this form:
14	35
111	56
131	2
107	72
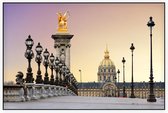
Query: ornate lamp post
123	61
76	88
38	59
132	79
60	73
118	83
46	63
71	78
52	67
29	55
151	97
81	77
67	77
56	70
64	69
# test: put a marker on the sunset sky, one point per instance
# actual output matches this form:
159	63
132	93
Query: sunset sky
94	26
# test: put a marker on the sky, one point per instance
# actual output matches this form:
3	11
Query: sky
94	26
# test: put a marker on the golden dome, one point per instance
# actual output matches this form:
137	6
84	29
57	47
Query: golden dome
106	62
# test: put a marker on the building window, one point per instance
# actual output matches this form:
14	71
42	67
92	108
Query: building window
109	79
104	77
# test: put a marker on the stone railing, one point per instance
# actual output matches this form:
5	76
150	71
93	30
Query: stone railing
31	91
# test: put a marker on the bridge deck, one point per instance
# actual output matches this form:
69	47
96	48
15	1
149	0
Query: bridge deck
78	102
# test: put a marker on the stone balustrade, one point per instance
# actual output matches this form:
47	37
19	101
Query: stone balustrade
13	93
31	91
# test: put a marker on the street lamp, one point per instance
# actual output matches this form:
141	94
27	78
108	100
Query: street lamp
67	77
46	63
118	83
52	67
71	79
64	69
115	84
38	59
151	97
56	70
60	73
132	79
81	77
29	55
123	61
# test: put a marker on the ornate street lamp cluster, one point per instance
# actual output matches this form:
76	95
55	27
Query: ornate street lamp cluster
151	97
63	76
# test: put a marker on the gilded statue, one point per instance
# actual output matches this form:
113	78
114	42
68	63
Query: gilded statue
62	21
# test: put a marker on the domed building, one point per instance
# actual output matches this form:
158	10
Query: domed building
106	69
107	85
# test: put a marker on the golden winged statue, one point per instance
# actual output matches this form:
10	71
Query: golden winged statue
62	21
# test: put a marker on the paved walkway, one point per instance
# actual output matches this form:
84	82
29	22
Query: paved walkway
78	102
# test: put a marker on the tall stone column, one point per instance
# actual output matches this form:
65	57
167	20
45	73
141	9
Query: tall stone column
67	60
62	44
57	48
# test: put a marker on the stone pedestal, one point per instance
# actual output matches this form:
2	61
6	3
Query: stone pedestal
62	46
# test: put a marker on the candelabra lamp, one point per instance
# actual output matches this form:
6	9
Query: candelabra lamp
52	67
46	63
60	73
64	69
67	76
69	79
56	68
38	59
29	55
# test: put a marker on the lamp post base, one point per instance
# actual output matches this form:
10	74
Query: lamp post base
29	78
39	79
52	81
151	98
46	80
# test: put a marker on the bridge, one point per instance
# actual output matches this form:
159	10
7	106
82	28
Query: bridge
81	102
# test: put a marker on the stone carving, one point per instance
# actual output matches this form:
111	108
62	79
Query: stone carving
19	78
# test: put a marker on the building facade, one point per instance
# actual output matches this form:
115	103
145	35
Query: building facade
107	85
141	89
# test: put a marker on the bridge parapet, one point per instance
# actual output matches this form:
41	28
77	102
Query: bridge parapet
13	93
31	91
